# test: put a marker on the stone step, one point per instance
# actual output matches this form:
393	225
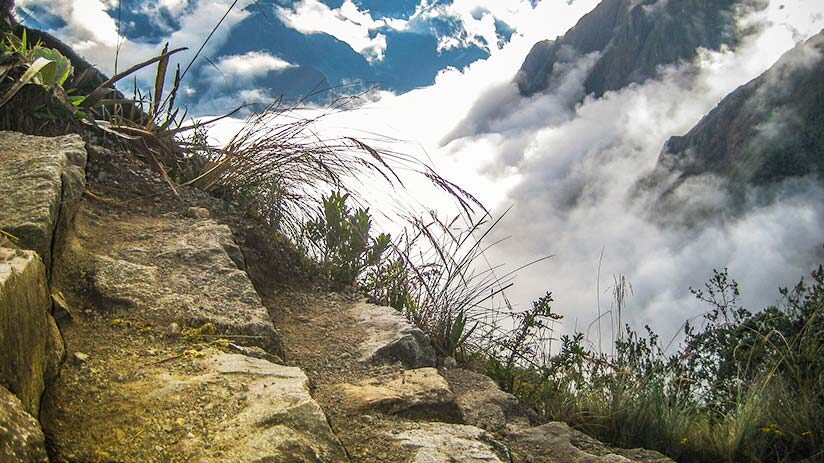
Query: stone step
420	393
446	443
205	406
557	442
168	269
41	182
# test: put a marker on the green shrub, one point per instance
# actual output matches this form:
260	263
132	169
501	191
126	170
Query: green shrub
744	387
340	240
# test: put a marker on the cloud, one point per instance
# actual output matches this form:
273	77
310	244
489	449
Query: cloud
570	172
251	64
346	23
93	33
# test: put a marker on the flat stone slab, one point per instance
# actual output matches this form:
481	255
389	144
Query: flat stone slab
421	392
41	182
31	348
21	440
447	443
207	407
392	338
169	269
557	442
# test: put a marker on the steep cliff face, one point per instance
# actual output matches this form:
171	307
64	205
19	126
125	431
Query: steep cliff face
632	39
767	130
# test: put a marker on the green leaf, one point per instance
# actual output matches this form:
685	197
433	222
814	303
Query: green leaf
34	69
62	70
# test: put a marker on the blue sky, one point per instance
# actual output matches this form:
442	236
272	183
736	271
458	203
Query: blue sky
287	47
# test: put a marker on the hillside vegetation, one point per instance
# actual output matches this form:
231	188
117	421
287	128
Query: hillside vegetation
742	386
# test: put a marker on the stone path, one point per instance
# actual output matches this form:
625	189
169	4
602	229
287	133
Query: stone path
187	341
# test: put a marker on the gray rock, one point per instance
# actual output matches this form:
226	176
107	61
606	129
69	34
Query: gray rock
173	271
557	442
483	404
281	421
31	348
422	392
450	362
42	181
392	338
79	358
219	408
447	443
21	440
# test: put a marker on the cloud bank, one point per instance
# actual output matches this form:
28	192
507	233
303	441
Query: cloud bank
570	173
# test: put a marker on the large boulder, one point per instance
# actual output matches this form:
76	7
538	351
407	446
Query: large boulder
30	344
391	338
557	442
43	179
21	440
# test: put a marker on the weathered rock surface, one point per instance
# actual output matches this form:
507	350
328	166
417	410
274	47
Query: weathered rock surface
483	404
21	440
41	182
279	420
205	407
421	392
31	348
447	443
174	270
391	338
558	443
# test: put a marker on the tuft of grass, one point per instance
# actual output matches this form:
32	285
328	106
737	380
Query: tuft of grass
436	273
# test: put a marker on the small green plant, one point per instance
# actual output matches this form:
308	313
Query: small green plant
24	64
438	277
339	238
518	349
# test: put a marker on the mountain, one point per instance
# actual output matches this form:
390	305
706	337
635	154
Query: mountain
767	130
632	38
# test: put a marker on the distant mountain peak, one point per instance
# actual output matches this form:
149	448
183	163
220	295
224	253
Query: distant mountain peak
768	130
633	39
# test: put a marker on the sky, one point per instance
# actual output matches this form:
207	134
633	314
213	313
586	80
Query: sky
566	169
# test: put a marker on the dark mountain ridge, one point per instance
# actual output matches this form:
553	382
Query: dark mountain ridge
633	39
767	130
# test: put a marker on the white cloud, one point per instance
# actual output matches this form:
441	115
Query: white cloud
251	64
569	172
93	33
477	19
347	24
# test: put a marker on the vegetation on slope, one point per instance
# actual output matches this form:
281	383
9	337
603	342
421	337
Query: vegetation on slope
742	387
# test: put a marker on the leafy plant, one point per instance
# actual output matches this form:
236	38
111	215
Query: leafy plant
742	387
35	64
340	238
